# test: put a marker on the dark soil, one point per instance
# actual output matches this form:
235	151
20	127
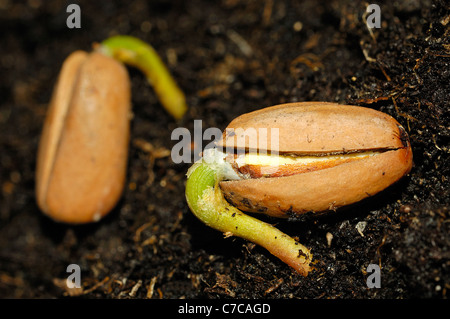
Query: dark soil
231	57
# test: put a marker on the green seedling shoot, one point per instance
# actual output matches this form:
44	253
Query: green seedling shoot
137	53
206	201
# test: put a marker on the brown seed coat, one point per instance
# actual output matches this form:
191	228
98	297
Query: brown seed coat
321	128
82	156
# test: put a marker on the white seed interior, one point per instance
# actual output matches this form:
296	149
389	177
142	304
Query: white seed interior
270	164
277	160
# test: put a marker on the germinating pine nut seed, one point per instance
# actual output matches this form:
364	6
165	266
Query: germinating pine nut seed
327	156
330	155
83	150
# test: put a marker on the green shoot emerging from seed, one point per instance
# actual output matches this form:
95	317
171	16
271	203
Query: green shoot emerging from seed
141	55
206	201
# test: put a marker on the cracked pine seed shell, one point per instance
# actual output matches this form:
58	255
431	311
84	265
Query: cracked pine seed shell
330	155
82	156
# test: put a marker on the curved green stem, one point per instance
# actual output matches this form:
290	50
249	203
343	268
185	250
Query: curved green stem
141	55
206	201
